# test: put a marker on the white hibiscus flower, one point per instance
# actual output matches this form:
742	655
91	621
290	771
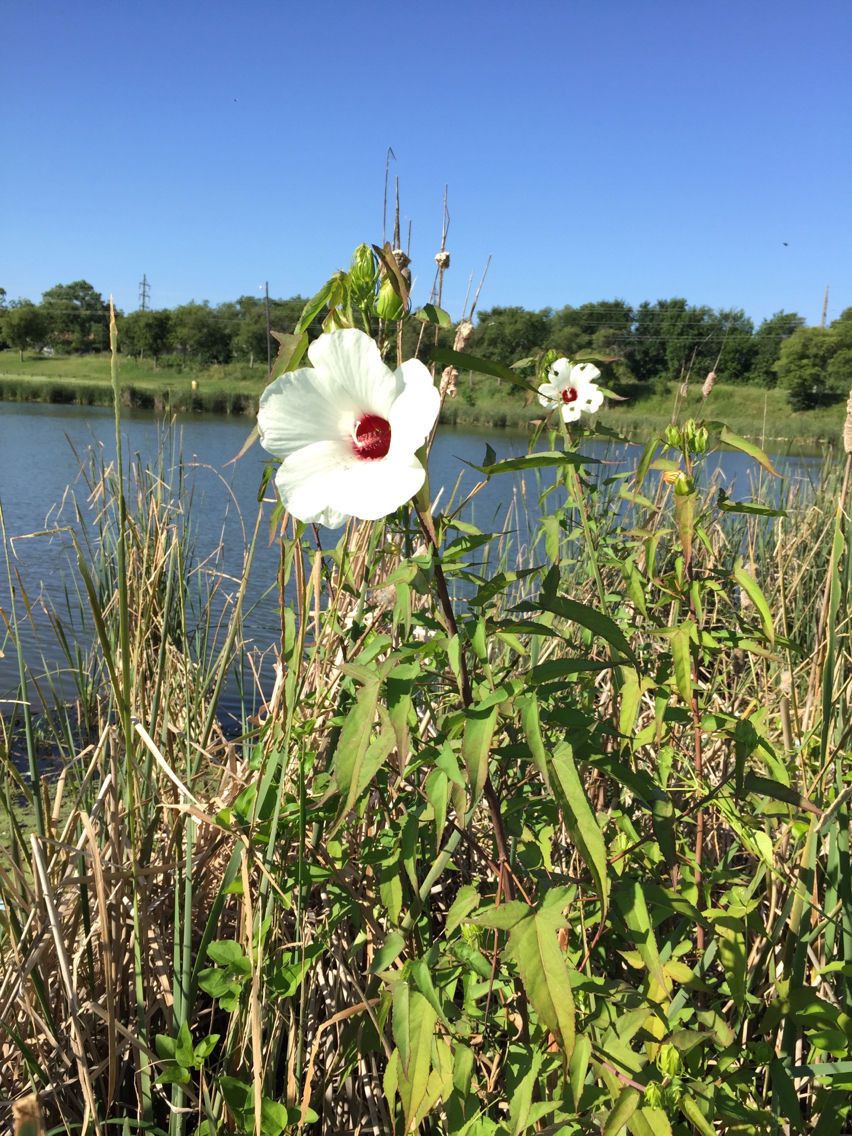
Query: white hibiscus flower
572	388
347	430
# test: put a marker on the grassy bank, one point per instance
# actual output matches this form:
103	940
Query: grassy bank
481	401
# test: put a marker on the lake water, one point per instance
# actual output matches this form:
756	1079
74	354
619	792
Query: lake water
40	481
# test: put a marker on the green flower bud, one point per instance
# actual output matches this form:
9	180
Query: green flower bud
672	437
668	1061
388	305
683	485
362	276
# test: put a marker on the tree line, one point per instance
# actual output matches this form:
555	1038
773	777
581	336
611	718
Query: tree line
655	343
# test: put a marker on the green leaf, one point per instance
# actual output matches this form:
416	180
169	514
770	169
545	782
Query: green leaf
173	1075
431	313
579	1066
589	617
765	787
681	640
413	1026
731	942
689	1108
752	508
729	438
538	460
205	1047
503	916
184	1049
579	818
226	952
388	953
464	362
625	1106
466	901
351	750
317	304
752	589
535	951
630	901
476	746
164	1046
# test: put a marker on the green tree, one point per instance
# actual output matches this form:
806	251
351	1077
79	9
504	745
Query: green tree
202	333
803	367
78	317
24	325
250	338
767	346
146	334
507	334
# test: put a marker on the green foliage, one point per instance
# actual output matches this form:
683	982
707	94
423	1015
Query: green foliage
77	316
550	836
24	326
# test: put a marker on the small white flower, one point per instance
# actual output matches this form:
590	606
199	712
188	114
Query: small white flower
347	430
572	388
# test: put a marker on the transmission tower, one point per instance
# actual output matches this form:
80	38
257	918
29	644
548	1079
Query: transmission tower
144	293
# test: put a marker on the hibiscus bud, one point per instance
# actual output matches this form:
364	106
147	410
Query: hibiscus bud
362	271
388	305
672	437
683	485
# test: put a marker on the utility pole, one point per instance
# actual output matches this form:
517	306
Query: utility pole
144	293
268	330
824	308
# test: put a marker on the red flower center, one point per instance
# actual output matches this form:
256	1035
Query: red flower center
372	437
569	394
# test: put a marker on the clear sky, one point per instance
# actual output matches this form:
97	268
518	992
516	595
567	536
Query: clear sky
633	148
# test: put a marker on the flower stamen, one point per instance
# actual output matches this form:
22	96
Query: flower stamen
372	437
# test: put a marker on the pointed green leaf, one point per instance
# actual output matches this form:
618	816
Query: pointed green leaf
535	951
579	818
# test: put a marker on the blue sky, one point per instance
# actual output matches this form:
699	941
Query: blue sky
594	149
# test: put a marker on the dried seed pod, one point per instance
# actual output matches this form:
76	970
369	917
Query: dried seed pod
442	259
708	384
847	429
448	387
463	333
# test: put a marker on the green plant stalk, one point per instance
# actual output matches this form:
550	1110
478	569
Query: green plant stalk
122	696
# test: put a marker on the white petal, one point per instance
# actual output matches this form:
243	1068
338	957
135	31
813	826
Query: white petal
570	411
295	411
373	489
548	394
351	366
327	479
413	414
584	373
304	478
591	398
560	372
